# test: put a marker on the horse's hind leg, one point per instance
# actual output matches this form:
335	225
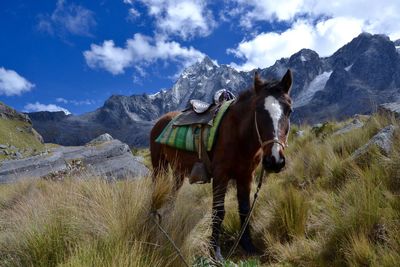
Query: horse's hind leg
219	190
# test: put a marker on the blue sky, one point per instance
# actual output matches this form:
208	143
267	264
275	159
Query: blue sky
72	55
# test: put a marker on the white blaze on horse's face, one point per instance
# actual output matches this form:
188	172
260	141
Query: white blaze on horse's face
271	104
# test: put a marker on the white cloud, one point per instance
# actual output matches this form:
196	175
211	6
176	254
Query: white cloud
35	107
68	18
184	18
61	100
75	102
378	16
133	14
138	51
11	83
319	25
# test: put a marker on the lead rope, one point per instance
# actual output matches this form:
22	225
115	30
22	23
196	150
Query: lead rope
246	221
260	181
178	251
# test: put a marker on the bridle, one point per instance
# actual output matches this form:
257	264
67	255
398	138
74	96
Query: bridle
275	140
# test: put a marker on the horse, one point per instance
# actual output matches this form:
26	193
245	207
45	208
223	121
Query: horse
255	128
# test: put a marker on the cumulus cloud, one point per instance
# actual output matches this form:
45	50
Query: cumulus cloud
67	18
325	37
139	51
378	16
321	26
183	18
35	107
11	83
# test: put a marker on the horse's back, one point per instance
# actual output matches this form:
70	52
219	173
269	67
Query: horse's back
161	154
161	124
157	157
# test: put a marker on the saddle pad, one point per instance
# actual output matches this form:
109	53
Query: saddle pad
186	137
190	117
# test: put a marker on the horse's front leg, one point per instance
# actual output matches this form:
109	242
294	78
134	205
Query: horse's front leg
219	190
243	185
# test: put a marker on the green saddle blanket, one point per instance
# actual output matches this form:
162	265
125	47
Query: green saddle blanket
186	137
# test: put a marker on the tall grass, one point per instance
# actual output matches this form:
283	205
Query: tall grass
325	209
95	223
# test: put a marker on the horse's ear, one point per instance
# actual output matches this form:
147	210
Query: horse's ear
257	82
287	81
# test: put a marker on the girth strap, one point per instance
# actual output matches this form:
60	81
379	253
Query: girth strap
202	152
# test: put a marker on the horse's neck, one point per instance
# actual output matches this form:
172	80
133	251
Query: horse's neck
246	132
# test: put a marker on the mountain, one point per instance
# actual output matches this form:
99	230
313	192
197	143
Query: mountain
17	137
355	79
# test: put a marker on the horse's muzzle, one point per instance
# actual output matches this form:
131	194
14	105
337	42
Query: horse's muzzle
271	165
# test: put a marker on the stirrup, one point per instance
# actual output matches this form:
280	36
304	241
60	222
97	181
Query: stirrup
199	174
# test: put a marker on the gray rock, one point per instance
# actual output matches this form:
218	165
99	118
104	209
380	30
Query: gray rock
355	124
111	160
383	140
102	138
3	146
390	108
299	133
31	168
17	155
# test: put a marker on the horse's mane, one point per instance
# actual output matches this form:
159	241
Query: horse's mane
246	94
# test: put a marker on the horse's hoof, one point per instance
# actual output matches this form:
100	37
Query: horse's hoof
217	254
249	248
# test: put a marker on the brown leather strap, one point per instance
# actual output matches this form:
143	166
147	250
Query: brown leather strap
265	143
202	151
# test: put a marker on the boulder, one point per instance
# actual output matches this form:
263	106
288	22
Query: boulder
383	140
100	139
392	108
110	159
354	124
32	167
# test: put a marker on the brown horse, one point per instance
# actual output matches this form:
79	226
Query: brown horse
254	128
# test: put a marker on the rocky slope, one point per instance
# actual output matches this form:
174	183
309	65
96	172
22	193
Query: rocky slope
104	157
355	79
23	155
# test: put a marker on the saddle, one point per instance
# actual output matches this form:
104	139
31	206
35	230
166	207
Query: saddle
198	113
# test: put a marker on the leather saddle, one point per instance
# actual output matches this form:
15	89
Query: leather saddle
199	112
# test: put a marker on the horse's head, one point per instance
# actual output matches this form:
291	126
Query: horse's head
272	119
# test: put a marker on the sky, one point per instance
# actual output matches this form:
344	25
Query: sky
72	55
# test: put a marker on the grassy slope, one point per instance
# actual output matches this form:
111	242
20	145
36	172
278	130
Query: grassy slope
324	210
16	133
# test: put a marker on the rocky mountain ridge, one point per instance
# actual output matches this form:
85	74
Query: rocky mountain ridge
355	79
